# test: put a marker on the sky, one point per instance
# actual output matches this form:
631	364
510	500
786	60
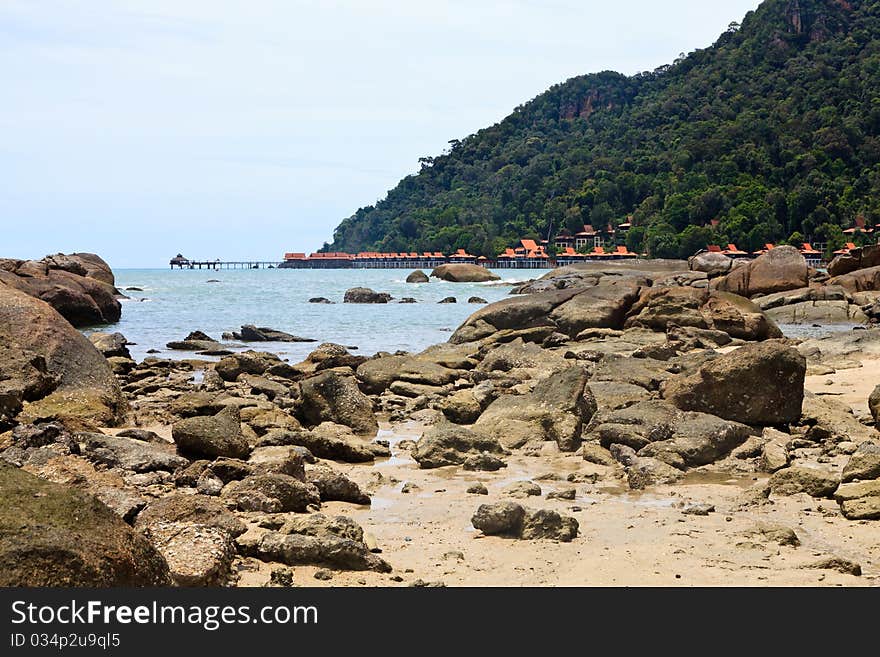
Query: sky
137	129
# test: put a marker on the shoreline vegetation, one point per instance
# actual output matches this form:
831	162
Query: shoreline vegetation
639	424
769	135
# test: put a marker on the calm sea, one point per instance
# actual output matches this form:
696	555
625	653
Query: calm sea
173	303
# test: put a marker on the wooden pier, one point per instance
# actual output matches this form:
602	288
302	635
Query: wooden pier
185	263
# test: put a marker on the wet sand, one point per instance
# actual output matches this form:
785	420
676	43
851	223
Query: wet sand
626	538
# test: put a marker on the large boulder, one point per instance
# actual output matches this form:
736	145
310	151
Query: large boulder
759	383
334	397
52	535
713	264
61	375
450	444
782	268
211	436
860	280
516	313
78	286
738	317
858	258
556	409
657	307
602	306
464	273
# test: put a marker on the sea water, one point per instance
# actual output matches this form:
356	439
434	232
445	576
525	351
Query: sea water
171	304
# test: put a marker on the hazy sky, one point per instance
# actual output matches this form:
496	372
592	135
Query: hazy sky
236	130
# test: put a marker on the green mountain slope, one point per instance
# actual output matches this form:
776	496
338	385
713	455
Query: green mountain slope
774	131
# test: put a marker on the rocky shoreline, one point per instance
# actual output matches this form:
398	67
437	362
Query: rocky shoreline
601	426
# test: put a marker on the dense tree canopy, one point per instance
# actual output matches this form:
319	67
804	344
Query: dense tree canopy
773	131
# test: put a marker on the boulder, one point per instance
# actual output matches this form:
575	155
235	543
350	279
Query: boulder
448	300
556	409
476	300
334	397
503	518
418	276
278	458
859	501
197	555
818	312
781	268
302	549
321	526
515	521
697	439
813	480
461	407
713	264
377	374
365	295
874	405
128	453
248	362
635	426
657	307
516	313
738	317
864	463
602	306
861	280
61	375
464	273
211	436
760	383
483	462
548	524
326	441
52	535
110	344
66	284
858	258
450	444
251	333
180	508
270	493
332	485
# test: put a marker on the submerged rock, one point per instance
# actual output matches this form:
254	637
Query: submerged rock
365	295
418	276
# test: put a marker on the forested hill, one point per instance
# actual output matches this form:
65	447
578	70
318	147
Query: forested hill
774	131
